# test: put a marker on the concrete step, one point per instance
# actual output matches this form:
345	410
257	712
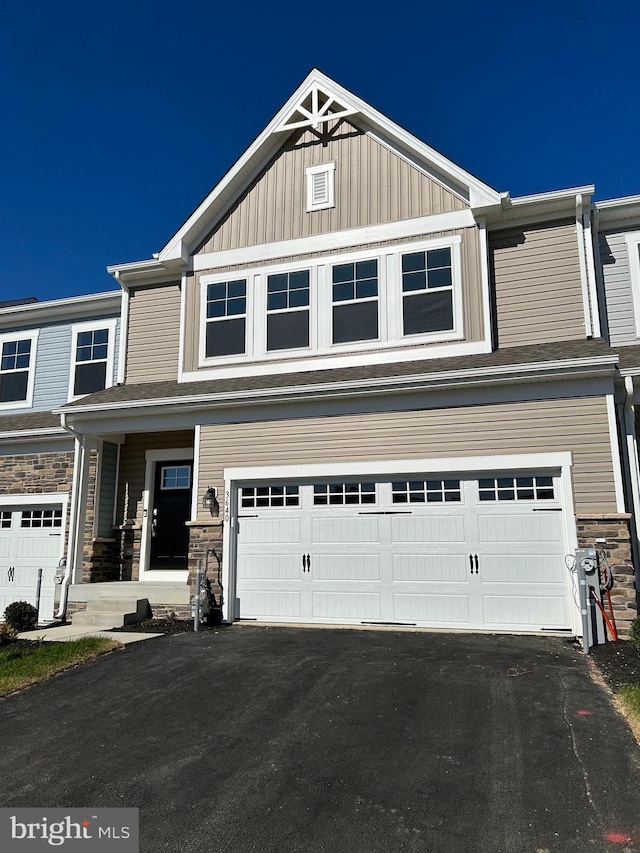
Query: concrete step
103	621
127	605
166	593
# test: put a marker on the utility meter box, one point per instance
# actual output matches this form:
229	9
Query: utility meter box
590	595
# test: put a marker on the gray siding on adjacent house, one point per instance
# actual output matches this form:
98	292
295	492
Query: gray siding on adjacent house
107	489
537	284
373	185
53	362
499	428
471	288
616	273
154	333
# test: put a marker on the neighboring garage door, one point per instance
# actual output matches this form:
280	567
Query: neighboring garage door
475	552
30	539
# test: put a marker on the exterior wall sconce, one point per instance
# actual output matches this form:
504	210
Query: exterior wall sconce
210	501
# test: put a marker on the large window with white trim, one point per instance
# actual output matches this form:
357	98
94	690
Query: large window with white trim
396	296
17	363
226	318
633	247
93	347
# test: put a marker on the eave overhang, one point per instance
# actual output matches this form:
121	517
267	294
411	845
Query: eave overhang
60	309
424	383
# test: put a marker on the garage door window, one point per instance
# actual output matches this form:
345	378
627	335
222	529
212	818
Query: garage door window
252	497
426	491
342	494
538	488
5	520
41	518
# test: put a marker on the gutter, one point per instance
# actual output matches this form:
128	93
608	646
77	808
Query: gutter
574	368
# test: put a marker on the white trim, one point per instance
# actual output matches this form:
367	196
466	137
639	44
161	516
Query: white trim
329	171
111	325
151	457
390	292
336	240
97	487
615	452
234	476
632	453
584	284
124	335
632	241
35	500
195	478
449	464
21	335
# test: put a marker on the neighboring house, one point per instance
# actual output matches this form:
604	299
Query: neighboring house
371	385
617	231
50	353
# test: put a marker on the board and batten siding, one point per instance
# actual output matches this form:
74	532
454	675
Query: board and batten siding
132	468
471	287
495	429
537	284
154	334
373	185
616	274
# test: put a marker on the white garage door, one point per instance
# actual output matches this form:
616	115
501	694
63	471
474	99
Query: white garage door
30	539
474	552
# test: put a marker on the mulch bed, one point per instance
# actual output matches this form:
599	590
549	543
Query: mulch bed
161	626
618	662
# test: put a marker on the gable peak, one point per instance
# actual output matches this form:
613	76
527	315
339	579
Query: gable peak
317	104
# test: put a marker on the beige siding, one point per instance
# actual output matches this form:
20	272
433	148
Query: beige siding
132	468
523	427
154	332
471	286
373	185
538	291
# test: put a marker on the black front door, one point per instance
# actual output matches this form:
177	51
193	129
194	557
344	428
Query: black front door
171	510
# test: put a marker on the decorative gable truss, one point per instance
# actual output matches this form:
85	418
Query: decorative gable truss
316	106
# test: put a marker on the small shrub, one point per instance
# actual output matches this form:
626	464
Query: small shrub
635	634
7	634
21	616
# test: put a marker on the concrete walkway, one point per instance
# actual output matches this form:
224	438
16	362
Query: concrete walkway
62	633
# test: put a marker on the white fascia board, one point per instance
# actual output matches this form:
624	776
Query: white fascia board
554	195
336	240
561	460
147	272
479	193
615	207
570	368
34	434
60	309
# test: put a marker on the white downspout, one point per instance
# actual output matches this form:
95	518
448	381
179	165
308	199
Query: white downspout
586	308
632	459
591	274
73	513
124	330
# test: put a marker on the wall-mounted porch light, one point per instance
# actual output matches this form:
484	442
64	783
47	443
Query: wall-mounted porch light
210	501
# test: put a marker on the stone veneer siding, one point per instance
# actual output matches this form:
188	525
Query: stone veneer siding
614	529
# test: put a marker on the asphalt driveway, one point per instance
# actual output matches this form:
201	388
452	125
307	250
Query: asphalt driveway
284	739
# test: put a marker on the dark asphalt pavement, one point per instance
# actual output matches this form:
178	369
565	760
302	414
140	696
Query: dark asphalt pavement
289	739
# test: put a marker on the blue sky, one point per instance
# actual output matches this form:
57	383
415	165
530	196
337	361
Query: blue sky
119	117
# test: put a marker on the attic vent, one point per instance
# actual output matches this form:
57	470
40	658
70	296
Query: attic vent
320	186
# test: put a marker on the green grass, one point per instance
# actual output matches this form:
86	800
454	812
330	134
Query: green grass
22	665
630	698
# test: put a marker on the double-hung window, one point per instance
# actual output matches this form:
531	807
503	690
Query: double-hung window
633	247
226	318
17	359
288	310
92	359
355	301
427	292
